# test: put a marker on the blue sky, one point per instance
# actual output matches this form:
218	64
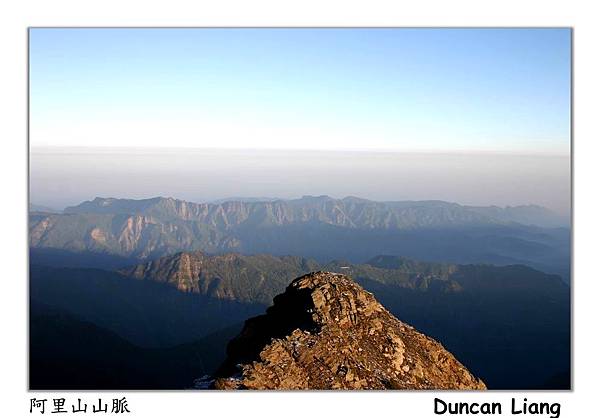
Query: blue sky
502	90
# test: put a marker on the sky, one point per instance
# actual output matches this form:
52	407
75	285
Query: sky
473	116
434	90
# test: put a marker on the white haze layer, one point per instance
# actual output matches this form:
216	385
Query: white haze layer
66	176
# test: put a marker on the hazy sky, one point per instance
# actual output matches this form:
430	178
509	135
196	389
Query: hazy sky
476	116
61	177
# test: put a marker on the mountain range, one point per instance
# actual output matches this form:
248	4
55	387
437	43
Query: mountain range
320	227
349	211
163	284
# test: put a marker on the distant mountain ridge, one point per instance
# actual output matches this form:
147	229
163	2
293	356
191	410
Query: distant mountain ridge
524	214
318	227
350	212
40	208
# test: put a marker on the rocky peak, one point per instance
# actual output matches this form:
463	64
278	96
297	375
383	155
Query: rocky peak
326	332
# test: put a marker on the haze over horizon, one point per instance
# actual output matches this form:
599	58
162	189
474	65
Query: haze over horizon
62	177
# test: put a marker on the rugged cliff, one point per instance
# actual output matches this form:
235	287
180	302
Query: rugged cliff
326	332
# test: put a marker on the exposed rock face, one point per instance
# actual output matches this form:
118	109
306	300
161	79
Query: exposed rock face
326	332
349	212
236	277
319	227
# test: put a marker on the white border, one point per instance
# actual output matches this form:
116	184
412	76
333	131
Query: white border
17	16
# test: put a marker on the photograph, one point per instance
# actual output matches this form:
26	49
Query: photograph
299	208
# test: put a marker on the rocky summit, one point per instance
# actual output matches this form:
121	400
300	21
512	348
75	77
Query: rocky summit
326	332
